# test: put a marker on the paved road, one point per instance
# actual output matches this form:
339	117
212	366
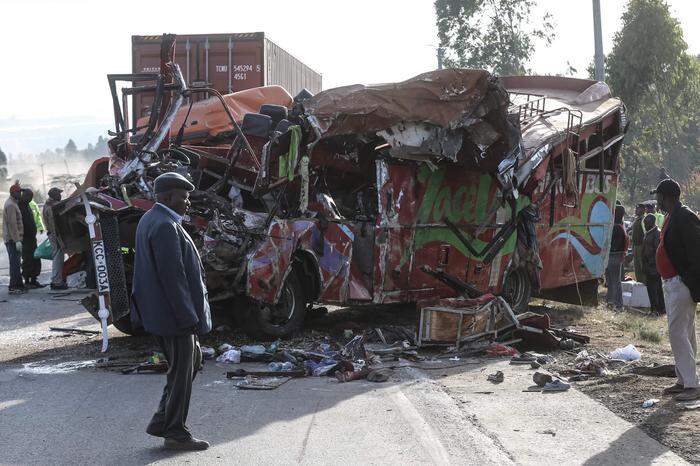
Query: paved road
53	413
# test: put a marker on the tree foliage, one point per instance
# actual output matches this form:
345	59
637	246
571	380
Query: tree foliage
497	35
71	148
660	84
101	148
3	158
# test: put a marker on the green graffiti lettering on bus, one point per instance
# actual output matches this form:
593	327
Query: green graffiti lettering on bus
468	203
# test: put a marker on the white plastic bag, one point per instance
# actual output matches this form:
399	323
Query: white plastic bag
77	280
208	352
253	349
232	356
628	353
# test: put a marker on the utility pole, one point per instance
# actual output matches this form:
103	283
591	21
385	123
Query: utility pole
43	180
440	56
598	35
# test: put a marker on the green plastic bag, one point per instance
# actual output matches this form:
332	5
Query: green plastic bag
44	251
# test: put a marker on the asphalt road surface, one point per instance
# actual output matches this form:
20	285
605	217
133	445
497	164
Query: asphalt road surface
57	408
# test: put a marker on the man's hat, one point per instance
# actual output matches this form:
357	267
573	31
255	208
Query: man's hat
668	187
55	191
169	181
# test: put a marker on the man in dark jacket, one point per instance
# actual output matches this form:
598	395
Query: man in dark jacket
31	267
678	263
169	299
651	244
637	241
618	247
57	256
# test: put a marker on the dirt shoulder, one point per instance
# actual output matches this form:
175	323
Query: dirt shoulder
623	393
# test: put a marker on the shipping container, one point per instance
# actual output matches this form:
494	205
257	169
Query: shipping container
226	62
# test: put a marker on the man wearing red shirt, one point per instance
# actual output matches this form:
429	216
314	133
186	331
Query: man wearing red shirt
678	263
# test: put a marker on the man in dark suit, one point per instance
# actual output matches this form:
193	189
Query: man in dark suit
678	263
169	299
649	247
638	242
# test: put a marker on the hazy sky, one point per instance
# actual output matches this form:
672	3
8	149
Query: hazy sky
56	53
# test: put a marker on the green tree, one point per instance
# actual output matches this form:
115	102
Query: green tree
101	148
3	158
90	150
660	84
497	35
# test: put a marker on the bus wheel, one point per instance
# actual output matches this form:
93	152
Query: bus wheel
517	290
281	320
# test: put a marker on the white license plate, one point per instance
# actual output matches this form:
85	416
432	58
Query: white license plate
98	253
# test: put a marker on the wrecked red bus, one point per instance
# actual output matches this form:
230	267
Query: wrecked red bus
452	183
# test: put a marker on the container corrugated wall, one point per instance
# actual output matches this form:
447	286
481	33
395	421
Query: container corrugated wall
226	62
285	70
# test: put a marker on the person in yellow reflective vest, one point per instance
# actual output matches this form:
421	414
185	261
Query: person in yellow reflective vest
37	216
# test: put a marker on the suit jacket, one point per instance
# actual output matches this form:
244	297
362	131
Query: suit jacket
651	244
637	232
168	296
681	240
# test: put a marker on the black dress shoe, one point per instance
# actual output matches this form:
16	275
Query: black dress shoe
59	287
154	431
35	284
191	444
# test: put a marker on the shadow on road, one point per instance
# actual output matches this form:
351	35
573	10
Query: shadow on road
625	449
107	412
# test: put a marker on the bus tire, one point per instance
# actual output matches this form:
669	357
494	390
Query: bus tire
517	290
281	320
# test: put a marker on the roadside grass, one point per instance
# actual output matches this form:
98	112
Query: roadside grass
650	334
647	328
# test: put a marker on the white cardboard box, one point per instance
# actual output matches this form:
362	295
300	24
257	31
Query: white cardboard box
634	294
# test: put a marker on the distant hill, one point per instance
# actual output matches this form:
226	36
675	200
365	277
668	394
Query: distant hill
31	136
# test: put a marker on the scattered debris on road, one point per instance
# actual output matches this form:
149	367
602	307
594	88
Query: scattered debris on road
689	405
659	370
650	402
74	330
541	379
628	353
496	377
252	382
556	386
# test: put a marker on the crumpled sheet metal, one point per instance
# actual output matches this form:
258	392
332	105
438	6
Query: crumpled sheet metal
207	118
271	260
416	140
443	97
